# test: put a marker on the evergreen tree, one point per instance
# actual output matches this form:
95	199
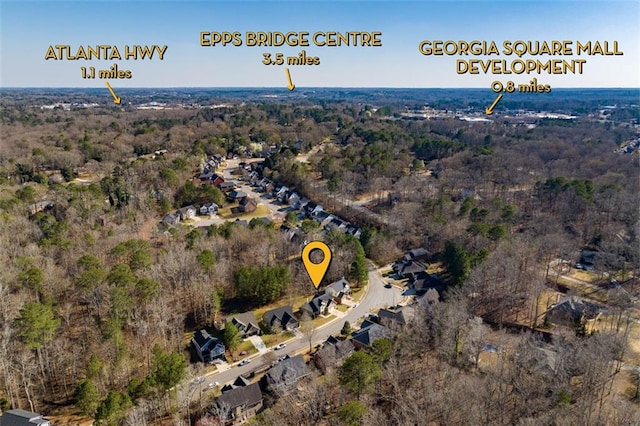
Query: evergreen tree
87	397
37	324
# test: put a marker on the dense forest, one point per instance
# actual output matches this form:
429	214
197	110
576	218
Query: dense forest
99	300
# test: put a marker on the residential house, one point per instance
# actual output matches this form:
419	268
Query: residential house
20	417
408	269
293	234
417	254
188	212
207	347
171	219
337	224
236	195
246	323
265	185
280	319
323	218
573	312
299	205
318	306
291	198
240	404
279	192
332	353
284	376
396	319
217	180
40	206
369	333
209	209
206	175
311	209
227	187
588	259
254	178
422	282
354	231
248	205
239	382
212	163
338	290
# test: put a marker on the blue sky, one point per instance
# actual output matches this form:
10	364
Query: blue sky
29	27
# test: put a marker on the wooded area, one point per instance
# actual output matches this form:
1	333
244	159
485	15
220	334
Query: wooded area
98	298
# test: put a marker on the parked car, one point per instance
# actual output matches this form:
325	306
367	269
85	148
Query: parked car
388	285
244	362
280	346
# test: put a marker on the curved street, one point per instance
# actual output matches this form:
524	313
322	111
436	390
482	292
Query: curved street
377	296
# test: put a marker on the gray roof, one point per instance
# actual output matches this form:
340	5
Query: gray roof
572	309
401	315
423	281
245	318
204	340
315	305
334	350
20	417
245	395
372	333
283	314
338	286
287	372
417	253
411	267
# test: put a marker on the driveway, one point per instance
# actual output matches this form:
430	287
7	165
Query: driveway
259	344
377	296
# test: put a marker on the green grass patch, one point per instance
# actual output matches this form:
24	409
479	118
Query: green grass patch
342	308
584	290
321	321
584	276
295	304
244	346
273	339
357	293
226	212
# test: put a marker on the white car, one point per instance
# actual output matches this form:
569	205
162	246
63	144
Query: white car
244	362
280	346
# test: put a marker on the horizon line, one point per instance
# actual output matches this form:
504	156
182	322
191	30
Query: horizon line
301	88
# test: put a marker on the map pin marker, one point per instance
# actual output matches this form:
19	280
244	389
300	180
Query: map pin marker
316	271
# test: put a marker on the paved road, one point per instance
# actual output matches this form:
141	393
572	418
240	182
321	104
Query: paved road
377	296
271	204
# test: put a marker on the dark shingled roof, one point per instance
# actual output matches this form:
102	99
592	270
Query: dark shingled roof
401	315
246	395
372	333
287	372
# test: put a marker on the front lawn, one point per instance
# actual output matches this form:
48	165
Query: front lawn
342	308
273	339
244	346
320	321
357	293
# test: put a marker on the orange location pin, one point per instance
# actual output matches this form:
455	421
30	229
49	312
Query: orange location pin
316	271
